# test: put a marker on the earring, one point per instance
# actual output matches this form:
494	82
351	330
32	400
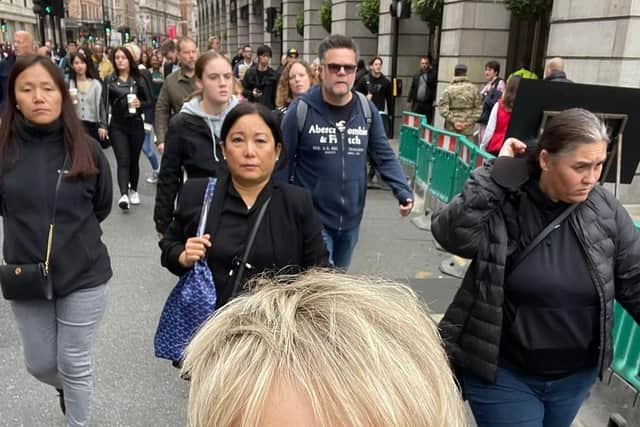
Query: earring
17	106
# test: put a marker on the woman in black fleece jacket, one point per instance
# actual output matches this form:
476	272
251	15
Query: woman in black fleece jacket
42	137
529	338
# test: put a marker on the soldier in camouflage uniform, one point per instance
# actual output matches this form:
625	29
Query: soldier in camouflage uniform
461	103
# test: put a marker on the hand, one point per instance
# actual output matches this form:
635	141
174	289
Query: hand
369	96
459	125
435	103
405	209
161	148
136	103
195	249
256	93
512	147
103	134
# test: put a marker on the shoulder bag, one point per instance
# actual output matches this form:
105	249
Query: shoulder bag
32	281
191	301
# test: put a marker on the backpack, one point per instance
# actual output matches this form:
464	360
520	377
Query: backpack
303	108
490	98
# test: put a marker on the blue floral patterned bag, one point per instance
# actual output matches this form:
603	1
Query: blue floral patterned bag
191	301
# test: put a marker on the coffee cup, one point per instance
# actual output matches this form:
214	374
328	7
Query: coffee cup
73	93
130	98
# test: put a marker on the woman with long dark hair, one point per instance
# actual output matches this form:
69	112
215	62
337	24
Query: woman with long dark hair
126	96
86	93
53	173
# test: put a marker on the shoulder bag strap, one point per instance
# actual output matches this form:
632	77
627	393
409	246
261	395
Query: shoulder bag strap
53	214
247	249
208	196
554	225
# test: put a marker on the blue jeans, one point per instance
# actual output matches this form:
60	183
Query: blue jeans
518	400
57	338
340	245
147	149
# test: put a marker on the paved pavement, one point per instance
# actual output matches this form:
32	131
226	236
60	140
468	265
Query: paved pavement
132	388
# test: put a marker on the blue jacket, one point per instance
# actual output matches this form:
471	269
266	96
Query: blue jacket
331	164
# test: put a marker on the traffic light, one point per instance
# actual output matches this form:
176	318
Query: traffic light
38	6
47	7
272	12
3	26
107	27
400	9
126	35
57	7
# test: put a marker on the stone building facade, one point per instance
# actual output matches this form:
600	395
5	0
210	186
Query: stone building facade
595	37
18	15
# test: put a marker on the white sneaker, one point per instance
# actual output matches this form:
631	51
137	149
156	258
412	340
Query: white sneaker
134	197
153	179
123	203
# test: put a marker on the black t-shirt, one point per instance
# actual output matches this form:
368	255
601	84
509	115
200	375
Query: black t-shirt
551	308
340	114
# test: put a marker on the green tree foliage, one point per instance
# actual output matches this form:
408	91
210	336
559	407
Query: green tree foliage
429	10
370	14
300	23
325	15
529	8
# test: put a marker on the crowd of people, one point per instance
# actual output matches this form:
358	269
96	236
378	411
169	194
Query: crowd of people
282	154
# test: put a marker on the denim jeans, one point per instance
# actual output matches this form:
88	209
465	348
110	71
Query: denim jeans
518	400
147	149
57	337
340	245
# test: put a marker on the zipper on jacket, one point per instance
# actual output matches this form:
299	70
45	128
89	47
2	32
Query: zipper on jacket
603	304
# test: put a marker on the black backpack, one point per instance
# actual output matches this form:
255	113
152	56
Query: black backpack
490	98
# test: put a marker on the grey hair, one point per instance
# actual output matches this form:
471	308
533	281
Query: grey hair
337	41
567	130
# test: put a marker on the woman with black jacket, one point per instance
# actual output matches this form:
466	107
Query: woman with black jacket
288	237
127	97
192	141
42	139
529	330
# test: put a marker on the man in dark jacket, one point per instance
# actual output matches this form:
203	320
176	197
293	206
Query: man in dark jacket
23	43
422	94
260	82
554	71
328	153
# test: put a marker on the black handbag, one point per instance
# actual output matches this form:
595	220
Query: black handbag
32	281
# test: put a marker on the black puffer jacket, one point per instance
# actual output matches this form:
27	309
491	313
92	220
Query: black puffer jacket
481	223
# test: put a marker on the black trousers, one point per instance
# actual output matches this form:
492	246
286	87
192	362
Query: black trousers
127	137
425	108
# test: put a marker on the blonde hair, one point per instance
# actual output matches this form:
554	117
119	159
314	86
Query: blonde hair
364	352
283	92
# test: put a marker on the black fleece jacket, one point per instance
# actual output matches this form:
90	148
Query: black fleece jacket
189	148
79	258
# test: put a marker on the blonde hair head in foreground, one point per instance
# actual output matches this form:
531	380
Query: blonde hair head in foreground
360	352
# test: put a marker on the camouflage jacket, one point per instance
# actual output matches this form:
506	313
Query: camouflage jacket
460	102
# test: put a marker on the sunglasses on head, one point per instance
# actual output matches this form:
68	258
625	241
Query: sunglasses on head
348	68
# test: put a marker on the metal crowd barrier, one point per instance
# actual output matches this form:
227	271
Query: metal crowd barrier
437	162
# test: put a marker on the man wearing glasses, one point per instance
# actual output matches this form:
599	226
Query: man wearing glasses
328	133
